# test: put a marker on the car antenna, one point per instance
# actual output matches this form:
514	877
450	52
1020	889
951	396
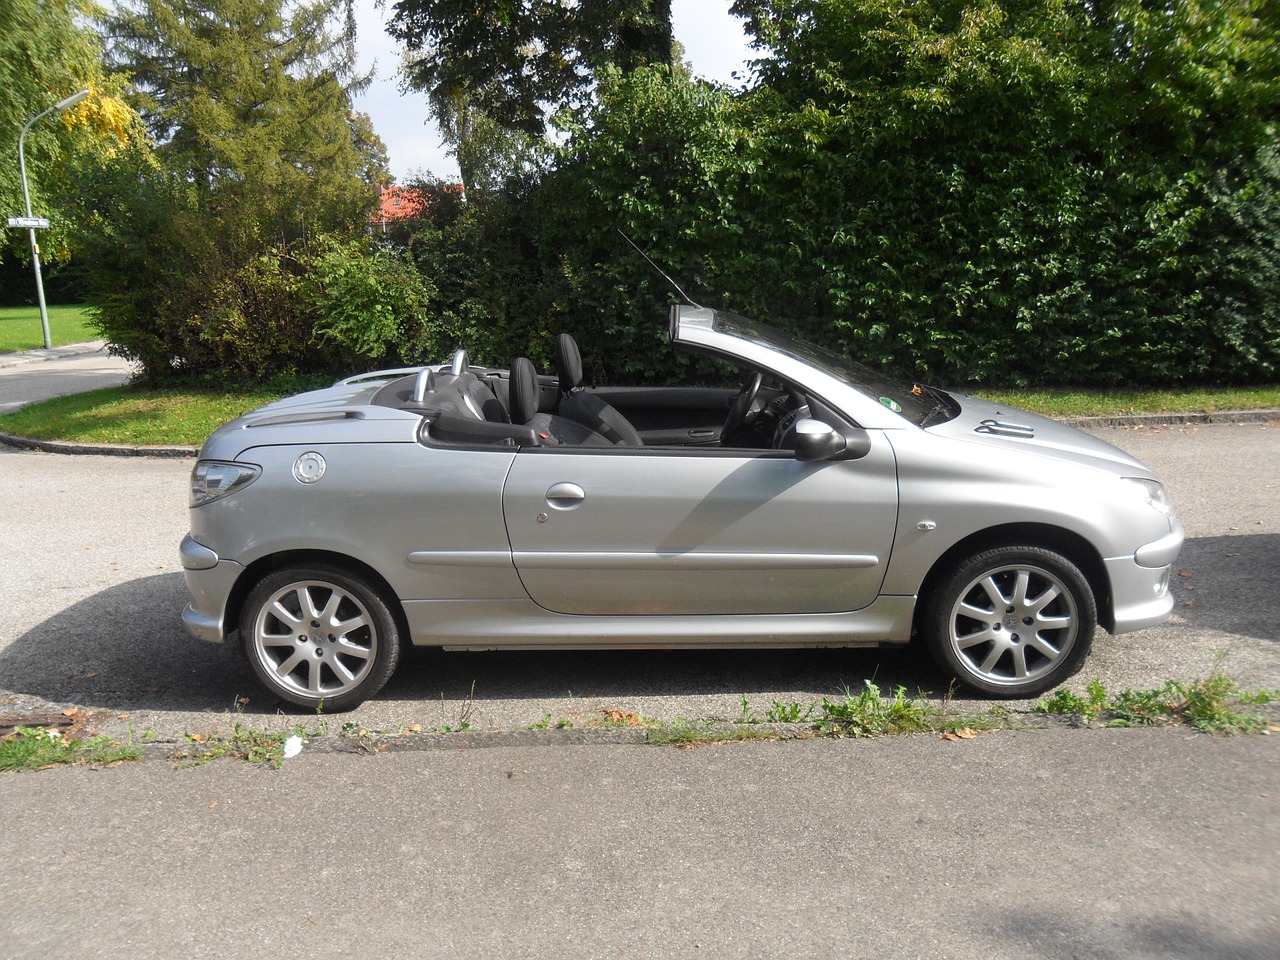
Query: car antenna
688	299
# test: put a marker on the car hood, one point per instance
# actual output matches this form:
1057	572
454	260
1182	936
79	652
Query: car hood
342	413
1008	428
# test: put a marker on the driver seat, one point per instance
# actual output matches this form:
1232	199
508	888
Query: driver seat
585	408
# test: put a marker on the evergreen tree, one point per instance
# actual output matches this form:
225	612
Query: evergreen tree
259	157
250	101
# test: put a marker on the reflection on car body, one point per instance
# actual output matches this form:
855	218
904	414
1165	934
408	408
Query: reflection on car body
822	504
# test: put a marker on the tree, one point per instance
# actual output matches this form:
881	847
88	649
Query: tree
258	156
251	102
376	167
509	66
47	51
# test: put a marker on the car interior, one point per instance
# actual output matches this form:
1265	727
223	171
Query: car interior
468	405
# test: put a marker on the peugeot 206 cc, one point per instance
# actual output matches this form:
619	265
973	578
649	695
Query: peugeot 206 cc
820	505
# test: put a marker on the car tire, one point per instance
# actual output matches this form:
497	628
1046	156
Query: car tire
319	637
1011	622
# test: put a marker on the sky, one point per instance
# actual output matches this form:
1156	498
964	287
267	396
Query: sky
713	43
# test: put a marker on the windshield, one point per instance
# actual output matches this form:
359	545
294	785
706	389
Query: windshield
916	403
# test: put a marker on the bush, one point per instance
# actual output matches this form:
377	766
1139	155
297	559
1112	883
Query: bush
367	300
185	300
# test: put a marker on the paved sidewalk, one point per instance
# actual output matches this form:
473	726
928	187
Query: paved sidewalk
24	357
35	375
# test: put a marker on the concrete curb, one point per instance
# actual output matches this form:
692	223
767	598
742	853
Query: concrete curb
1018	721
1174	419
96	449
23	357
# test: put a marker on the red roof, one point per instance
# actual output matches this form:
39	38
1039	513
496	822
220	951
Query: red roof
400	203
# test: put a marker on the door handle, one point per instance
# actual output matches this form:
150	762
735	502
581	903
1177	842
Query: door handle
565	496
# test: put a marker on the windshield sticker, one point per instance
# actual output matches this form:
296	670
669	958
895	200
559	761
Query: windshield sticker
892	404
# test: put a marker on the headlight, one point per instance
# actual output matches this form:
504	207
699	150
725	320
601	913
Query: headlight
213	479
1152	492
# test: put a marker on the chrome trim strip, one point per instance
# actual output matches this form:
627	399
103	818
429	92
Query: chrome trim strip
693	560
461	558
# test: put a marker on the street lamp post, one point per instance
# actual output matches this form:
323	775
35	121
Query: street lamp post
70	101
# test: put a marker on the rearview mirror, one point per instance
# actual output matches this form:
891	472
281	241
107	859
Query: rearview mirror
816	440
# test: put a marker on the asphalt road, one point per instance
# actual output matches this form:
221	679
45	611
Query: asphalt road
93	591
1060	843
40	374
1097	844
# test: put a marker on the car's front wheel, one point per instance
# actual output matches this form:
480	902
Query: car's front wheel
319	637
1011	621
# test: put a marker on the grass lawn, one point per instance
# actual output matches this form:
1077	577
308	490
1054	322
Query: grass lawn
20	327
1118	403
139	416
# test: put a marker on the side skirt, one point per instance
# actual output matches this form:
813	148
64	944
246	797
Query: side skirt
522	624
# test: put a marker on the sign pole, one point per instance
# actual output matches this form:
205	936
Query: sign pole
26	196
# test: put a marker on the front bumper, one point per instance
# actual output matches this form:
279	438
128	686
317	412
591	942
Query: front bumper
210	580
1140	584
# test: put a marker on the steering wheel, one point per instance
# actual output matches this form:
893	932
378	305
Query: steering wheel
740	412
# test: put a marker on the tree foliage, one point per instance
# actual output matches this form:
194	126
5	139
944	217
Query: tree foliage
665	160
251	102
258	153
1039	189
47	52
972	191
515	59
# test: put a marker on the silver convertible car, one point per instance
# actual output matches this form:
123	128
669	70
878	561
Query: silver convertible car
820	505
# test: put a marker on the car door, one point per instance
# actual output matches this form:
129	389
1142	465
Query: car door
618	531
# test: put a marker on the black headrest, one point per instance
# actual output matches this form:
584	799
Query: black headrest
568	363
524	390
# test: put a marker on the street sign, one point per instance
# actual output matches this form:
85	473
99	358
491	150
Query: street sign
29	223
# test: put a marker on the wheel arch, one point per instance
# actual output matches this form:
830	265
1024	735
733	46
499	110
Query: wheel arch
1071	545
263	566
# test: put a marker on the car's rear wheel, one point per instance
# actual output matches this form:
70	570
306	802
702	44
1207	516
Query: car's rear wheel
319	637
1012	621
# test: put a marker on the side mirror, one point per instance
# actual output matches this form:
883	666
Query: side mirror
816	440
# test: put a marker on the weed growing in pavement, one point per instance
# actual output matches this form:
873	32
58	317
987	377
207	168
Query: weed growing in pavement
791	712
1065	701
778	712
1214	704
461	721
867	713
682	733
463	727
546	723
33	748
245	743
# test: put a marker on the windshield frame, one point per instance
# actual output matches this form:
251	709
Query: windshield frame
913	402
